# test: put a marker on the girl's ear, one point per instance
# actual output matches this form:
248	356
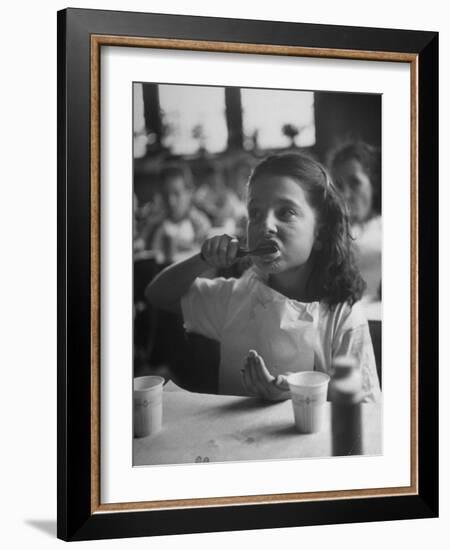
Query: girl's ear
317	244
318	231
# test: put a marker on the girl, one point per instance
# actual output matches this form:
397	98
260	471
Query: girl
296	307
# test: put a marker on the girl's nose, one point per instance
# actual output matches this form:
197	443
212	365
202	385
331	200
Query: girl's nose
347	192
269	223
172	202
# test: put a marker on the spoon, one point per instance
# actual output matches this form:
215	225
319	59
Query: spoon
258	251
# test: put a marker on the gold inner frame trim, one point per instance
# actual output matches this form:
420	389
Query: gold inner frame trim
97	41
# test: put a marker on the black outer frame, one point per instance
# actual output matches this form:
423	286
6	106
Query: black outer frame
75	521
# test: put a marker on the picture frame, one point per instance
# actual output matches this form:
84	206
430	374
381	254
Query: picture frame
81	36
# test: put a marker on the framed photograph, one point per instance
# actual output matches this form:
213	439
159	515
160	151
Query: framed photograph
247	274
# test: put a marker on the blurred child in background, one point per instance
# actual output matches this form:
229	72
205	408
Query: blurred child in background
356	171
184	227
221	204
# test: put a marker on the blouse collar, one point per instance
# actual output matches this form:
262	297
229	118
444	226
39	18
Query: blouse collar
307	310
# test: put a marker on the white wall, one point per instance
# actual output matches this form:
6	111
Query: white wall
28	273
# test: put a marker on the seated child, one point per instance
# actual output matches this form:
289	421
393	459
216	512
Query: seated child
297	307
220	203
185	227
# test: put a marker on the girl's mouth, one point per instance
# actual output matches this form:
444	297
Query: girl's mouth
269	258
271	253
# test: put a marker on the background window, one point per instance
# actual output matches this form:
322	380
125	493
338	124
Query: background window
278	118
193	118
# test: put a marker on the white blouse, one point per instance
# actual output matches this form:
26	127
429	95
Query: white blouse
291	336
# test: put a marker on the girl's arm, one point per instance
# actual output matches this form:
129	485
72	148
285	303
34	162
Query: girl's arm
169	286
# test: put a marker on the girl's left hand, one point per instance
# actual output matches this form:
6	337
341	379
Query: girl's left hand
259	382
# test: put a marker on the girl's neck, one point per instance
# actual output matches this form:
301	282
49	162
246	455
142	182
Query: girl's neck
294	283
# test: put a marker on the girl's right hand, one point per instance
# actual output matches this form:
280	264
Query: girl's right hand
220	251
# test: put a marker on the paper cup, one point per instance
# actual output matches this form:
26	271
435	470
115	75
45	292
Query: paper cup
147	405
309	394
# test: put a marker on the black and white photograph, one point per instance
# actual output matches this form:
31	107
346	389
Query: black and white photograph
257	274
224	292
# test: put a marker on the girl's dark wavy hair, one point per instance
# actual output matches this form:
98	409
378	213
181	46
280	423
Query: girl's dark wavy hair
335	277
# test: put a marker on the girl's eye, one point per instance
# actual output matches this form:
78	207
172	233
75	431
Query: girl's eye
286	213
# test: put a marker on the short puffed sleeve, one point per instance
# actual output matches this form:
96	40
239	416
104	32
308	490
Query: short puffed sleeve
205	306
352	337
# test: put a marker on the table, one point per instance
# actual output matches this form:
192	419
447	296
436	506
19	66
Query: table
218	428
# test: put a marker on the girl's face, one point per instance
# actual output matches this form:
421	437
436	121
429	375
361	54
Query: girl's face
279	213
354	183
177	198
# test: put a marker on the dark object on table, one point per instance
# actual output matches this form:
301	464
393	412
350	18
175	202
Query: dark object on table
346	394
